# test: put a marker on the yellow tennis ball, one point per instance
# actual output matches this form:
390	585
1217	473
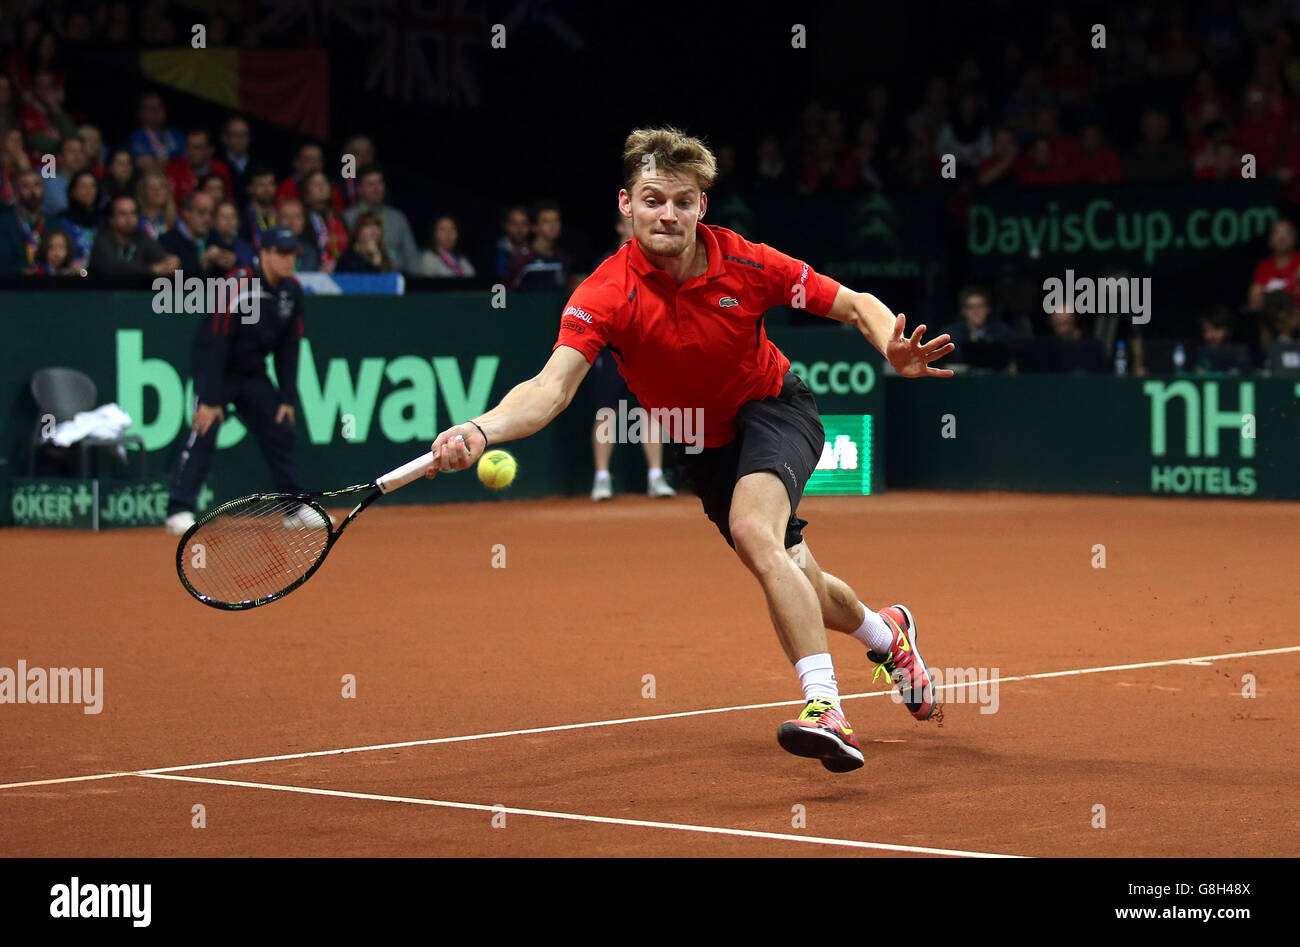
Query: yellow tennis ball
497	469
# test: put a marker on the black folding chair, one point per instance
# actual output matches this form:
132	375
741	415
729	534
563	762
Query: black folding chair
61	393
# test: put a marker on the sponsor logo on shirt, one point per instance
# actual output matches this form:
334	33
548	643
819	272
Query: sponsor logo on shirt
580	313
803	277
573	325
727	301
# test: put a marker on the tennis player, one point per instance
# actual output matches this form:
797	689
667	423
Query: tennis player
681	307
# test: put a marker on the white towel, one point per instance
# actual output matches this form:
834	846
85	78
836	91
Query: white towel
107	421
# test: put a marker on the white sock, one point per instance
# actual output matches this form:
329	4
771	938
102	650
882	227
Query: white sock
654	472
602	475
817	675
874	632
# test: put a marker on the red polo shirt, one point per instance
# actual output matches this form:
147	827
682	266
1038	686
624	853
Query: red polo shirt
700	344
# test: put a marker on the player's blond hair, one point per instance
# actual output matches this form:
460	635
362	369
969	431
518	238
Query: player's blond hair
669	151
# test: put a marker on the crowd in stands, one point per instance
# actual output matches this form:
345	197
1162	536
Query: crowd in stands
1223	77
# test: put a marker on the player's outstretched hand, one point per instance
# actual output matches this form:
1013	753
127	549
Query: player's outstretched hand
455	449
911	358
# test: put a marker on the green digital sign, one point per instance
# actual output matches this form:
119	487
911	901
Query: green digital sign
845	465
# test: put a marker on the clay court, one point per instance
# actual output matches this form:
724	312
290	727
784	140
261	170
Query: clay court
500	711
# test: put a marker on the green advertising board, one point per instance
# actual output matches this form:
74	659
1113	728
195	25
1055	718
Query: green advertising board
66	503
378	378
1168	436
846	464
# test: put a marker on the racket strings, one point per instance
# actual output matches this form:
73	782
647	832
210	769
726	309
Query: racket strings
255	549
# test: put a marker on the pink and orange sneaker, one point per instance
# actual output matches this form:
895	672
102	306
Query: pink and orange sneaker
821	732
904	664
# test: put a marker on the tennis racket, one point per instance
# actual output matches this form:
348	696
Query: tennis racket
259	548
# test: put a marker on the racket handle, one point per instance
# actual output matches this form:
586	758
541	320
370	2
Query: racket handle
401	476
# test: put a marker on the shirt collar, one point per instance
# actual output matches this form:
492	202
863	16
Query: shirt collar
642	264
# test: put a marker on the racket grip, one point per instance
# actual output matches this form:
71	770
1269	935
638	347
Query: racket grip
401	476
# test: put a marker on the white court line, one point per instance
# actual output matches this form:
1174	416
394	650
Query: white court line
622	720
575	817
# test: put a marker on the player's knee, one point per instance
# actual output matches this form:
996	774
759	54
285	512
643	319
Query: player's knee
756	544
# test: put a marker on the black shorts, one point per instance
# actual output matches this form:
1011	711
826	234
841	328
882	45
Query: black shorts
607	385
782	434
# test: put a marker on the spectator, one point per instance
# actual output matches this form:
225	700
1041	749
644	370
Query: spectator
188	172
771	176
1219	160
1070	80
818	172
72	155
81	220
1216	327
188	240
918	165
1031	95
118	31
366	252
1065	148
13	161
153	144
123	248
1282	319
1261	132
259	214
24	228
1155	159
1205	104
362	150
8	114
323	223
1000	167
289	213
55	257
1065	325
879	113
235	141
44	122
544	265
513	241
1280	270
441	259
214	185
1176	51
966	136
975	324
1042	166
309	160
225	235
157	207
1217	352
371	192
1097	163
93	146
933	112
119	177
1219	28
860	164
